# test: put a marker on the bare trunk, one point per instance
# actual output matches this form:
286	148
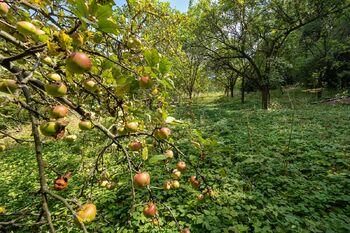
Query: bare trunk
265	96
242	90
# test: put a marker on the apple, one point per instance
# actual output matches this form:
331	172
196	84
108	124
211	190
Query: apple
86	213
132	126
145	82
56	89
90	85
155	91
104	183
50	128
8	86
59	111
48	61
78	62
2	210
175	184
155	221
26	28
176	174
162	133
200	197
167	185
134	42
71	138
2	148
111	185
39	35
54	77
186	230
135	145
60	183
181	166
169	154
142	179
4	8
85	125
194	181
150	210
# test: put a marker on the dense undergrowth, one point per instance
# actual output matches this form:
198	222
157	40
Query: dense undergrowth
281	170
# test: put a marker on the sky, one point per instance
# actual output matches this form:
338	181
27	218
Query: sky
181	5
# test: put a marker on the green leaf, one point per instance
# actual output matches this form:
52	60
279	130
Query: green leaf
145	153
152	57
164	65
157	158
108	26
81	9
104	12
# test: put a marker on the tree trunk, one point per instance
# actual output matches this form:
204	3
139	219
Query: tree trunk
242	90
265	96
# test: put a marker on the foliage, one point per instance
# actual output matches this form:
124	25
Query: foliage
264	182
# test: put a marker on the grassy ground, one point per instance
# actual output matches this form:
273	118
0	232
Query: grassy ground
281	170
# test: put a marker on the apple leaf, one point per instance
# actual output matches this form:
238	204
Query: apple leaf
81	9
145	153
104	12
164	65
108	26
151	57
157	158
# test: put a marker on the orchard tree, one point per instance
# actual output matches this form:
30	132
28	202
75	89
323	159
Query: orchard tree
255	31
99	62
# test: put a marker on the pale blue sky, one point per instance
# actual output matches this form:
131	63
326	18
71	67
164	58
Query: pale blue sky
181	5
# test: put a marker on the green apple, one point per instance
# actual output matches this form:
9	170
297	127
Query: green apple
54	77
26	28
49	128
85	125
56	89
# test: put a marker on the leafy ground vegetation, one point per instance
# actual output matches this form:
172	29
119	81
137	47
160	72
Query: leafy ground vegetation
281	170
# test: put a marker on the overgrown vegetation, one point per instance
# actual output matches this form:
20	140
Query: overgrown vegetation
282	170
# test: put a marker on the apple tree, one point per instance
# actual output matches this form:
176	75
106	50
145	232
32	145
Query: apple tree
93	61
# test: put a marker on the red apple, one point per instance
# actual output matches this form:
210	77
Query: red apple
87	213
150	210
26	28
59	111
162	133
176	174
8	86
181	166
145	82
186	230
194	181
4	8
78	62
56	89
135	145
85	125
142	179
